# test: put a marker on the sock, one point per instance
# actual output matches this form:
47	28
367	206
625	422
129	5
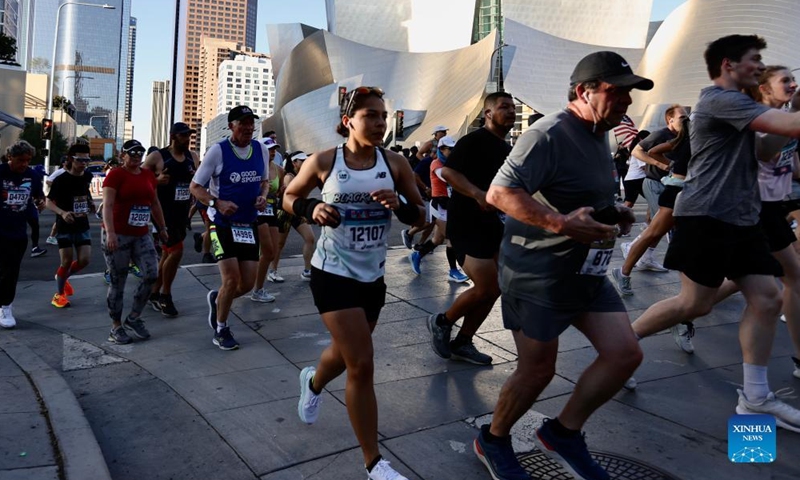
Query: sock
311	386
61	279
373	463
487	435
623	274
451	257
442	320
461	339
426	248
559	430
74	268
220	326
756	385
648	254
461	259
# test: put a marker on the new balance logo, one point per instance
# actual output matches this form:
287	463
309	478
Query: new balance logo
381	175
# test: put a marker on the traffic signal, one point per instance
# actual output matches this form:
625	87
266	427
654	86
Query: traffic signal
47	129
342	95
398	126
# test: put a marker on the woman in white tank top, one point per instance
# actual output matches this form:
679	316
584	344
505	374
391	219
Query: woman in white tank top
361	184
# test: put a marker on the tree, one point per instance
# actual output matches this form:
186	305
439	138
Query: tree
40	65
32	133
8	48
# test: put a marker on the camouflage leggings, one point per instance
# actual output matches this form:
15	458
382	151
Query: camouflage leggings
141	251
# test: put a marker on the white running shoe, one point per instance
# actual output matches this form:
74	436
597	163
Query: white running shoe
273	277
625	247
651	265
309	403
785	415
783	318
630	384
306	275
262	296
384	471
7	319
682	334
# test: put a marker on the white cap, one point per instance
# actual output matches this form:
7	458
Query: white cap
298	155
447	141
439	128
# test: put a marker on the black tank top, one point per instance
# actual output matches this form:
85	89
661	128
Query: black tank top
176	192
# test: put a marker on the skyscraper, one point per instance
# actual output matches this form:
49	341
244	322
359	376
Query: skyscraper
233	20
159	115
129	73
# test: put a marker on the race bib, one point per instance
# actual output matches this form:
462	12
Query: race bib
140	216
182	192
786	160
269	209
80	204
18	196
598	258
366	229
243	233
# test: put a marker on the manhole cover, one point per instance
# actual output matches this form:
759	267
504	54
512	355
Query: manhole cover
618	467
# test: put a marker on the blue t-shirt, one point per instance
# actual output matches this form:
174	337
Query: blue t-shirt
17	191
423	169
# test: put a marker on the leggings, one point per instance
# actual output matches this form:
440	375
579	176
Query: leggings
33	221
143	254
13	250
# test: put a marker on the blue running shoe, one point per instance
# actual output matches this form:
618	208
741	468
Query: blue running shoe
457	276
224	339
211	299
499	458
415	258
107	277
132	268
571	453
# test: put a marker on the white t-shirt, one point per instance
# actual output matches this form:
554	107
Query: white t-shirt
635	169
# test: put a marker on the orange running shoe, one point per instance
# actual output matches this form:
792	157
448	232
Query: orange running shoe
60	301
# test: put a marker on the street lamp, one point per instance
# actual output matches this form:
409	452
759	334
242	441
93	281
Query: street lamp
498	68
53	69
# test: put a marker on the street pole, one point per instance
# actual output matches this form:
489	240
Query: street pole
47	142
498	68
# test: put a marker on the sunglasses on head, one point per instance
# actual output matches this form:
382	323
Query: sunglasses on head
360	91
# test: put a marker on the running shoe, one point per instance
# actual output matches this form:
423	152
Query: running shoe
135	270
119	336
383	471
309	403
306	275
682	334
651	265
622	282
167	307
498	457
273	276
796	372
783	318
198	242
38	251
625	247
408	240
786	416
224	339
570	452
107	277
262	296
468	353
457	276
208	258
136	326
211	299
51	240
7	319
155	301
68	290
630	384
60	301
415	258
440	336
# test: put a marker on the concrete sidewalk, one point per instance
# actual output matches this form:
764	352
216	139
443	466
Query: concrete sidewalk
177	407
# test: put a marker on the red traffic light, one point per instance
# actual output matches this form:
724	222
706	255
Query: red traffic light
47	129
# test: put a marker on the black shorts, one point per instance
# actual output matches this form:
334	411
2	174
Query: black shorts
271	220
633	189
223	246
776	227
334	292
480	239
176	219
668	196
69	240
708	250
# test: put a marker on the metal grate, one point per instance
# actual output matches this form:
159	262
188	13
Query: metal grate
618	467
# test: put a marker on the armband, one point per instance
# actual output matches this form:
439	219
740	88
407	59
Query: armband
407	213
304	207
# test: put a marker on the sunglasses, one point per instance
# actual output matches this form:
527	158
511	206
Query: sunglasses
135	154
360	91
82	160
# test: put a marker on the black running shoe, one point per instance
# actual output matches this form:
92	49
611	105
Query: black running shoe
167	307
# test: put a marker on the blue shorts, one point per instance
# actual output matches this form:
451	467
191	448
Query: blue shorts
69	240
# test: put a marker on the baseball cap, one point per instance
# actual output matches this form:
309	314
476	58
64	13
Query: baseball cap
180	127
609	67
240	112
133	146
298	155
447	141
439	128
270	143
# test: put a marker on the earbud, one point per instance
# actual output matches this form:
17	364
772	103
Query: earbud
586	96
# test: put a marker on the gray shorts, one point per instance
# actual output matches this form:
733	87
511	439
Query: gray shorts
546	323
652	190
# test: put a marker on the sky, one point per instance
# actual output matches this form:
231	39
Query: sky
154	42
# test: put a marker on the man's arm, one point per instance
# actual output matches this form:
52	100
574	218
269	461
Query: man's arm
425	149
460	184
643	156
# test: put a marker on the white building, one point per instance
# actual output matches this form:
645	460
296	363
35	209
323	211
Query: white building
246	80
159	114
217	130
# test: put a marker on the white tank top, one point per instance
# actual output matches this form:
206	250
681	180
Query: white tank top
357	247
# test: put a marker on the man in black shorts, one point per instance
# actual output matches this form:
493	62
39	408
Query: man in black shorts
174	167
474	228
558	188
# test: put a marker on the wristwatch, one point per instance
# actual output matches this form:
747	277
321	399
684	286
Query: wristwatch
212	203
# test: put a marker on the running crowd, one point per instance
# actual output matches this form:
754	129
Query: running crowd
535	224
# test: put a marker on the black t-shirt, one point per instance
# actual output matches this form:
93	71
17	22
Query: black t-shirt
681	155
174	197
657	138
71	194
478	156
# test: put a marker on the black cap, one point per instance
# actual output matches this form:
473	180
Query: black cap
180	127
133	146
609	67
239	112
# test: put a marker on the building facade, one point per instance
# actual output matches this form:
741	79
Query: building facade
159	115
247	80
212	54
129	73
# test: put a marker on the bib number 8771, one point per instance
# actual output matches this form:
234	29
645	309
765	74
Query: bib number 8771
367	234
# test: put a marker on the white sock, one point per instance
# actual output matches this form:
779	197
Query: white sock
220	326
648	254
756	385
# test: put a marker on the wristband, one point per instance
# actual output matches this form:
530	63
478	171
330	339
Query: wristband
407	213
304	207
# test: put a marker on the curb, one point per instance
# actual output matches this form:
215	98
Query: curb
81	454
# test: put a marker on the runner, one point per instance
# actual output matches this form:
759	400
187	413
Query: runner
235	170
267	221
360	185
558	187
428	149
474	228
717	235
174	167
70	199
18	183
129	203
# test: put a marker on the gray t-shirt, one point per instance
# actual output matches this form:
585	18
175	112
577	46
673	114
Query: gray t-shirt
565	167
722	181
